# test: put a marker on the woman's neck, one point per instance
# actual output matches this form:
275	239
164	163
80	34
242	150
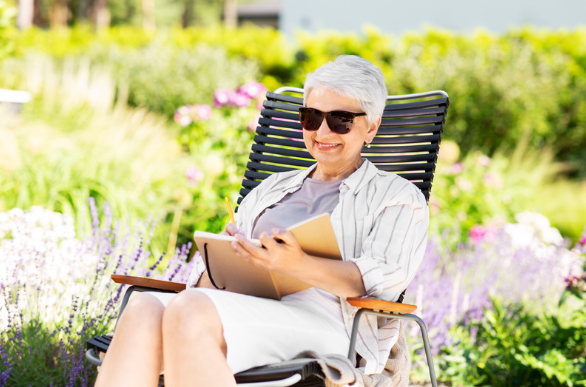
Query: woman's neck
334	173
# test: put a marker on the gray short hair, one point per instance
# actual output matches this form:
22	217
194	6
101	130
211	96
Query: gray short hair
352	77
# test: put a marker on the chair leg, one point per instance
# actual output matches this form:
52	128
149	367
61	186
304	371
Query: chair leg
403	316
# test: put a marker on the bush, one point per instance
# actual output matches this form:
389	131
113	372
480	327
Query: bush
492	307
56	292
59	152
7	31
523	86
477	190
162	78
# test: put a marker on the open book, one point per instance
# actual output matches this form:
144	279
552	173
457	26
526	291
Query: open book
232	273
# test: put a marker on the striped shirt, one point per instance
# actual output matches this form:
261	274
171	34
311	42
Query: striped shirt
381	224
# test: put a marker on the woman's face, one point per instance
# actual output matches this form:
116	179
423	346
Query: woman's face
335	151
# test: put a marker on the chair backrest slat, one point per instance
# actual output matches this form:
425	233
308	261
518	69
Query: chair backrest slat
281	123
417	105
279	141
382	131
280	160
407	141
279	132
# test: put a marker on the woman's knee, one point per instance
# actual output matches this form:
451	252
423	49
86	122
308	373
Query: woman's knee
143	310
191	313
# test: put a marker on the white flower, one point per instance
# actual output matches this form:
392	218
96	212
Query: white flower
542	227
522	235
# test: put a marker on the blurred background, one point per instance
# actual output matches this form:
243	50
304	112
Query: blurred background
146	109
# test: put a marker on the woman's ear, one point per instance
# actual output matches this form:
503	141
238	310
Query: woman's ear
373	129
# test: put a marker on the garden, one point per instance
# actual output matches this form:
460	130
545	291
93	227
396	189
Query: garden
133	138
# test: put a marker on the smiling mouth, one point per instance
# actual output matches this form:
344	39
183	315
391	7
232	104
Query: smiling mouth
326	146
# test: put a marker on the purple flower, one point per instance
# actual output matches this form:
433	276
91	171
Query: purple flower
66	278
252	89
194	175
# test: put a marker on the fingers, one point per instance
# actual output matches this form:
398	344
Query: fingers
231	229
245	244
267	240
285	236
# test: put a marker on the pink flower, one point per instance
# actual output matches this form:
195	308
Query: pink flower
194	175
492	180
252	124
476	233
252	89
222	97
185	115
483	160
457	168
182	115
582	240
202	112
239	99
479	233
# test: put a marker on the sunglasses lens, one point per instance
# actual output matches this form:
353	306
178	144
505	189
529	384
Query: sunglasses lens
340	122
311	119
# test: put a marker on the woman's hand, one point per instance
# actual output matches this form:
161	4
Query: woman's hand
342	278
281	252
232	230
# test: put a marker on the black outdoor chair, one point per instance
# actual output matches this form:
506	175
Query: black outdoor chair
407	144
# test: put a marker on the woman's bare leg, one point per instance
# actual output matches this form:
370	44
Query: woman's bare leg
194	347
134	357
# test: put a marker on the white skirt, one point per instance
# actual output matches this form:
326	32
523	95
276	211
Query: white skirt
260	331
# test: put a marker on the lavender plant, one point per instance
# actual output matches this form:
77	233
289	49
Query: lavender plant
55	290
527	262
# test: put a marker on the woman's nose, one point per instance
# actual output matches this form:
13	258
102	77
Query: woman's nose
324	129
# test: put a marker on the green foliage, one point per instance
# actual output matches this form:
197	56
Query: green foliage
7	31
219	149
59	153
162	78
523	86
512	347
43	352
478	190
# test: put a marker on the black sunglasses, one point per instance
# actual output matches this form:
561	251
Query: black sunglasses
339	121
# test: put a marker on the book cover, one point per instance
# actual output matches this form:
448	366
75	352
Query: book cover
232	273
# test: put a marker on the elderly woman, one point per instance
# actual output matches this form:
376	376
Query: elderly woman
201	336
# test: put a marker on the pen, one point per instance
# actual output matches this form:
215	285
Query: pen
230	210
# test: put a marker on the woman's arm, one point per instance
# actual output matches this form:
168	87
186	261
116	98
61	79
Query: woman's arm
342	278
390	254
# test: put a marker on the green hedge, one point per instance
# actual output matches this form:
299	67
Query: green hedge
523	86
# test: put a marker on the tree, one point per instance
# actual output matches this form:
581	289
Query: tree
230	13
25	14
148	14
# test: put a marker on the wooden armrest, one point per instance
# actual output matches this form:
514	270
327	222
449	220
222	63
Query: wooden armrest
375	303
147	282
